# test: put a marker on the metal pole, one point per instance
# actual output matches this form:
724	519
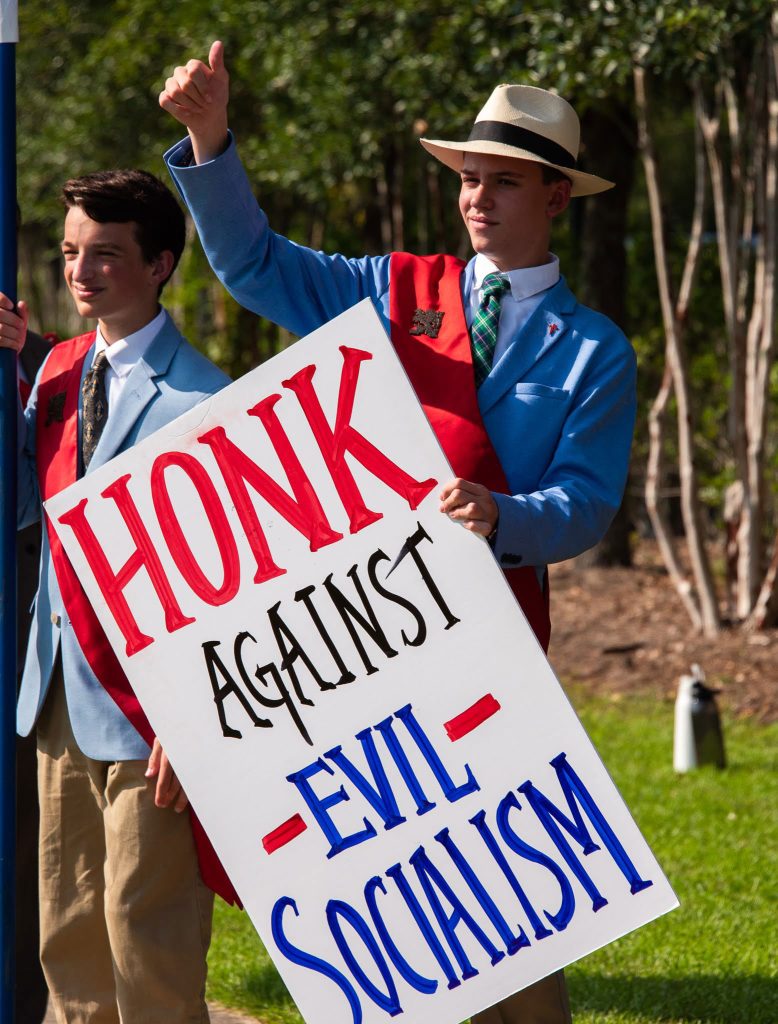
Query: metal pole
8	405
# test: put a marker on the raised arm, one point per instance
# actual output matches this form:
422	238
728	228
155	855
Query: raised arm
287	283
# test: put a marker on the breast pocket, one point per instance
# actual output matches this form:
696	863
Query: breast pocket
536	415
527	391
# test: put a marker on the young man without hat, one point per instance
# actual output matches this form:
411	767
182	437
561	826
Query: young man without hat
125	915
538	391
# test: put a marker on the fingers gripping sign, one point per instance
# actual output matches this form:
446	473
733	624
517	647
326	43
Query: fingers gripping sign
471	505
13	324
196	94
168	790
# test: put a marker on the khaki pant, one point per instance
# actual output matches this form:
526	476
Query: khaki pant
125	917
545	1002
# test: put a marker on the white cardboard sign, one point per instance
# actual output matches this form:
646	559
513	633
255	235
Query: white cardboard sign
393	778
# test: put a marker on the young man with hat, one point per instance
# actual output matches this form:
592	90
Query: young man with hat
125	914
532	395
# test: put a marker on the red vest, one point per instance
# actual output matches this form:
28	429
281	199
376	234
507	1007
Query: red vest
441	372
57	458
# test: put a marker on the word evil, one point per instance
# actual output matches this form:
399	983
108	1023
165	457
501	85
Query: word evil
241	680
301	509
445	881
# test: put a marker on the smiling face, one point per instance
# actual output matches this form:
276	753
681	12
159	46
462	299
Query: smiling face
108	276
508	209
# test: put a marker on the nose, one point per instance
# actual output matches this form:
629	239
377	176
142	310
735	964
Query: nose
481	197
82	268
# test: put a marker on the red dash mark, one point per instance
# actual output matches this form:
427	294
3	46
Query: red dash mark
472	717
284	834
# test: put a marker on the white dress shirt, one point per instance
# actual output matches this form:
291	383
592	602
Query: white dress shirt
122	355
528	286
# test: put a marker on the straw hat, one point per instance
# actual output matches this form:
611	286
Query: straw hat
529	123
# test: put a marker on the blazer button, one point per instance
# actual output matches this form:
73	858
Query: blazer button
55	619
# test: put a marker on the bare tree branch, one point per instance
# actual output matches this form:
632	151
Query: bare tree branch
705	613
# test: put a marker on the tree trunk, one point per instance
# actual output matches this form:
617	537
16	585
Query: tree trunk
656	510
677	361
603	277
397	189
611	133
765	605
384	208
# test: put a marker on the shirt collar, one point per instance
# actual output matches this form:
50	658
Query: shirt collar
124	354
524	282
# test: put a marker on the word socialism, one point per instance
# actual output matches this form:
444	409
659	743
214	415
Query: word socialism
438	887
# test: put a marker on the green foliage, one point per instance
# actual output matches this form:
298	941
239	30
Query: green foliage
709	962
329	98
588	49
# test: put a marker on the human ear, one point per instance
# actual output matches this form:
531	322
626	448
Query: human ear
559	197
162	266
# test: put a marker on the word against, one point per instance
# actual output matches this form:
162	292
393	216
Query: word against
277	684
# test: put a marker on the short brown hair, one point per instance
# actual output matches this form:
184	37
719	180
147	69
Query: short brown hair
551	175
119	197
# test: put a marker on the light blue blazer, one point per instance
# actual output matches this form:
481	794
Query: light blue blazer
164	384
559	405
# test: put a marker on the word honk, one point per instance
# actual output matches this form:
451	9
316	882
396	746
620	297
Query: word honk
301	509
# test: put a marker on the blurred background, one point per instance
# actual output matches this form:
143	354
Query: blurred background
679	106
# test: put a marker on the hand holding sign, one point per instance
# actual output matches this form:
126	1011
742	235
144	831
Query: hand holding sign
471	505
168	789
196	95
13	324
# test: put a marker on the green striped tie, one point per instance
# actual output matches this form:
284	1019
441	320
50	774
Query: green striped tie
483	333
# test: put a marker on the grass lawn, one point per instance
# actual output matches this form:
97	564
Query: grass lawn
713	961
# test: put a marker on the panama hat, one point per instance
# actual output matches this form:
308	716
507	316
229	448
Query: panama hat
528	123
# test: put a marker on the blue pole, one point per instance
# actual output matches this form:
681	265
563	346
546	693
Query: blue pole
8	403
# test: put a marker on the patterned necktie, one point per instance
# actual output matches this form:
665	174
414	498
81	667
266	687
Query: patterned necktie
94	407
483	333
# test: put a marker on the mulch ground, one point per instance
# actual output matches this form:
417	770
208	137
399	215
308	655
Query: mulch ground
620	631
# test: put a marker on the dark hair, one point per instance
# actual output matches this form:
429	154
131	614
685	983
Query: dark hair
119	197
551	175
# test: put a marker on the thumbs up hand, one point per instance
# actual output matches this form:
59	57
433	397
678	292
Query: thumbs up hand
197	95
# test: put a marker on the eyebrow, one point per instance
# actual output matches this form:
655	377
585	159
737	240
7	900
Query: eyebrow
496	174
65	244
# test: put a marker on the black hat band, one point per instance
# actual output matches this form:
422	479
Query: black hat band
522	138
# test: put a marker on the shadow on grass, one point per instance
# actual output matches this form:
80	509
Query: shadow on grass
264	985
709	999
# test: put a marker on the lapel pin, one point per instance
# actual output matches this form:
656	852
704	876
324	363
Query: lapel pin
552	329
55	409
426	321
